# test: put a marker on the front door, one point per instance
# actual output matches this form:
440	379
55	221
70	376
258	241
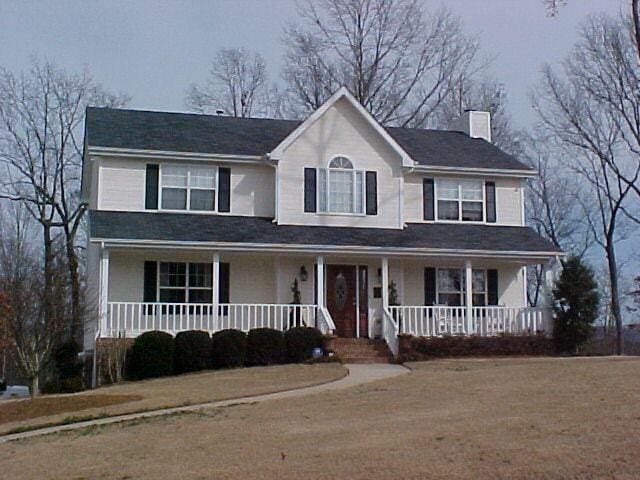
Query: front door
341	298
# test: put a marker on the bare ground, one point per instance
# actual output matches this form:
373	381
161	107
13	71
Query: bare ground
165	392
575	418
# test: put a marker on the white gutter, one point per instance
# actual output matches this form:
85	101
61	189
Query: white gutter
487	172
170	155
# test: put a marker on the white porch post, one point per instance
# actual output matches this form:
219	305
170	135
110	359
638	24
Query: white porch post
385	283
101	321
320	281
216	290
469	294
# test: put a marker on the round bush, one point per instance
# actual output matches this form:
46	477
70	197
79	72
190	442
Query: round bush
265	346
151	356
300	342
192	351
228	348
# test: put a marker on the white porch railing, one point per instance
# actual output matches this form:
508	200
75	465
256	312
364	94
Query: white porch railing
390	331
325	322
134	318
439	320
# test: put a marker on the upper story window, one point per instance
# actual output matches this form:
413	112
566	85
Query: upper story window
341	188
188	188
461	200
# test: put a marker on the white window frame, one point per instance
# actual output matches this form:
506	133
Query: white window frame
463	286
189	167
459	200
363	194
186	287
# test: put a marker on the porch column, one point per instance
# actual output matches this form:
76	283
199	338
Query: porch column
104	291
320	281
216	290
385	283
469	294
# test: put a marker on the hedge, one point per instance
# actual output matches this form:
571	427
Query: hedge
151	356
300	342
265	346
228	348
422	348
192	351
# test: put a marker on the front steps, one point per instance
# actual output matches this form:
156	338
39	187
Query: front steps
362	350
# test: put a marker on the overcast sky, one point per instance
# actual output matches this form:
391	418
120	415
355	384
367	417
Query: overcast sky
153	50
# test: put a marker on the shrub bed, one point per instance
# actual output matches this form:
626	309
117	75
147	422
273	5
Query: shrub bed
151	356
192	351
265	346
424	348
228	348
300	342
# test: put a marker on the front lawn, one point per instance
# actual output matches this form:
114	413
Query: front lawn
128	397
540	418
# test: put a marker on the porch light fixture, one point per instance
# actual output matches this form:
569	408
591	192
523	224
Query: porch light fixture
303	273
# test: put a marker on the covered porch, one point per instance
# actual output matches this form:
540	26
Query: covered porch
354	295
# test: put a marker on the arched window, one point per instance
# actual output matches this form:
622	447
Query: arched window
341	187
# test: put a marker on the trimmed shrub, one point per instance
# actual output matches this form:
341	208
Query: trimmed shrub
66	371
423	348
265	346
228	348
192	351
3	385
300	342
151	356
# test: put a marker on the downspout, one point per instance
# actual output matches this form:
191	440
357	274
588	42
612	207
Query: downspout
274	163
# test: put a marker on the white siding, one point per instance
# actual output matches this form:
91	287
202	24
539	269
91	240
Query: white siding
340	131
508	199
122	187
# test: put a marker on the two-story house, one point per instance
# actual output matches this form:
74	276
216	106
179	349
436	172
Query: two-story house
206	222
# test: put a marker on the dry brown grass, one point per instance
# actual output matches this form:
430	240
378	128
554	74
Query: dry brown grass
574	418
165	392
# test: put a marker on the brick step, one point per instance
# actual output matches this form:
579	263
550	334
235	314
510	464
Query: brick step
362	350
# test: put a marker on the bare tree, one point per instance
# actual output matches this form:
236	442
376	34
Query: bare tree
399	63
237	84
41	116
594	143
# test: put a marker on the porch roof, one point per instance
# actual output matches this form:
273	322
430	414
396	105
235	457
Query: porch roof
257	232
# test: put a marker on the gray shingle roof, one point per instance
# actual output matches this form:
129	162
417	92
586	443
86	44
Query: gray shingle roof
192	133
258	230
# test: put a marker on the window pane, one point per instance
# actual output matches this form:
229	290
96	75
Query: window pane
203	177
452	299
172	274
200	275
449	280
471	190
359	191
447	210
322	189
199	296
174	176
172	295
202	200
341	162
447	190
479	300
479	283
472	211
174	198
340	191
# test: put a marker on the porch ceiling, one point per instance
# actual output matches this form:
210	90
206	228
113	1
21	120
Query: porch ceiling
234	232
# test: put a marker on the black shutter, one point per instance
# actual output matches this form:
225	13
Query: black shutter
427	199
150	281
429	286
372	193
310	189
224	189
490	192
223	289
492	286
151	187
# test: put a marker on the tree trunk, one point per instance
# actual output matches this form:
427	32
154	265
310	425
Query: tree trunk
34	387
615	296
48	280
74	280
